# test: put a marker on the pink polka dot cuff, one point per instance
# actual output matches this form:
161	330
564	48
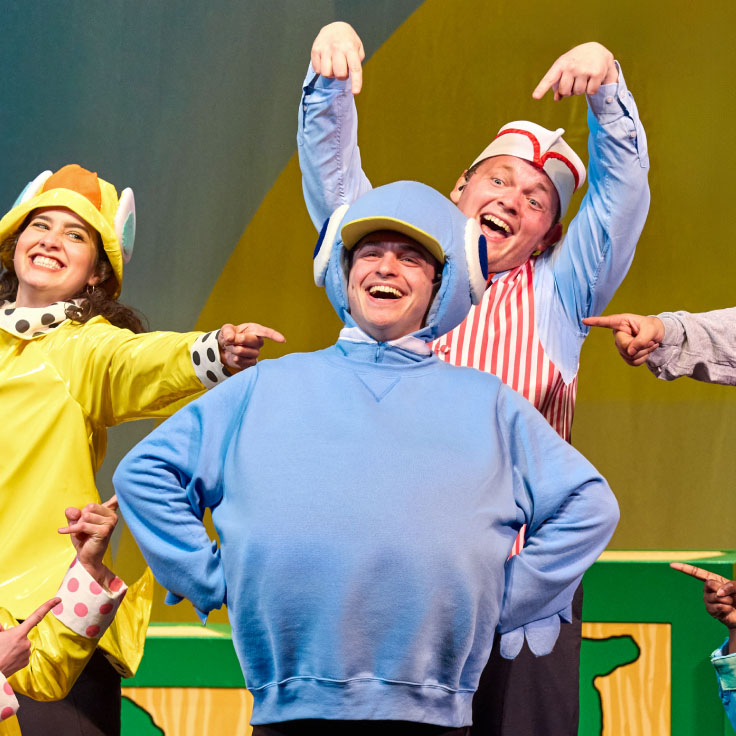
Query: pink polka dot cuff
8	701
86	607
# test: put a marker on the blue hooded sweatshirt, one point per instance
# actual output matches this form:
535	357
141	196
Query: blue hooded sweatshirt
366	498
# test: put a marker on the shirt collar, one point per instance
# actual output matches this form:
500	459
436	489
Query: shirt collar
412	344
29	322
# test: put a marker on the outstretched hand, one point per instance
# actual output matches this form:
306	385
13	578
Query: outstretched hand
241	344
582	70
636	335
719	593
15	648
338	52
90	530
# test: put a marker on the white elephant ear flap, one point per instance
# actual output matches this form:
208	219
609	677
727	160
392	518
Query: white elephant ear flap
326	243
32	188
124	224
476	255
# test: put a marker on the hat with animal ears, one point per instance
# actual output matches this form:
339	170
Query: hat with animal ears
433	221
93	199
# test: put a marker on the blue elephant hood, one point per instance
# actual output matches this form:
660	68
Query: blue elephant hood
422	213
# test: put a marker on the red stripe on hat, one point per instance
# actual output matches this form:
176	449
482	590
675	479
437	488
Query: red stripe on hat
535	142
567	162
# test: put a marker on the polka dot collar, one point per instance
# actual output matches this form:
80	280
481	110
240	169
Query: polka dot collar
30	322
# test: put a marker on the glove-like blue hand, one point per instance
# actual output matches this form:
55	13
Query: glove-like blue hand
540	636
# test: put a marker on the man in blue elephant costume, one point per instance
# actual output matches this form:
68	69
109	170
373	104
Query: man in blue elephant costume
367	495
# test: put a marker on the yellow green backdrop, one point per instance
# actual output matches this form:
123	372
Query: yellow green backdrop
434	93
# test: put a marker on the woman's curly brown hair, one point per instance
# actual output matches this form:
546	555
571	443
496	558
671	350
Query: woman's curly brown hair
95	300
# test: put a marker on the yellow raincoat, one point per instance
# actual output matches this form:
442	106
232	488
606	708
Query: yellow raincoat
58	394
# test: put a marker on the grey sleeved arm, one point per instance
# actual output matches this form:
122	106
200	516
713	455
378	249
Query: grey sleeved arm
701	346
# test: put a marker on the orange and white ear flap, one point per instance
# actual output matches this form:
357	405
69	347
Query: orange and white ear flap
476	256
33	188
327	238
124	224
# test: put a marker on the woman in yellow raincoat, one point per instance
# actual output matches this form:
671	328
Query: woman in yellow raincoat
71	365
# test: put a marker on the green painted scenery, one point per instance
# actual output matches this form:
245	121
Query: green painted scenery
599	658
136	721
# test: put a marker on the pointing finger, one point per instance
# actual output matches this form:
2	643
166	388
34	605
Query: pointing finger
697	572
37	616
356	69
255	329
612	321
545	84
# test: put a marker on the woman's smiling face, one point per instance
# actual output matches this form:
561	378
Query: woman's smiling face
55	257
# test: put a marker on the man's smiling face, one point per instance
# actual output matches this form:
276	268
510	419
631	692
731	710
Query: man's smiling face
515	204
391	284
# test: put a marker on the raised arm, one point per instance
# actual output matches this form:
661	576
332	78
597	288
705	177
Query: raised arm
586	268
570	515
327	130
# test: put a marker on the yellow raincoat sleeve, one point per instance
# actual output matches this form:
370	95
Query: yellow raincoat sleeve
58	655
118	375
123	642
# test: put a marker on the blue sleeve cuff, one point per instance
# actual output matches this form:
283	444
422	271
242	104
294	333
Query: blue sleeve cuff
725	665
611	101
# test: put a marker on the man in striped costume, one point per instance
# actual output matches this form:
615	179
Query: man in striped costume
528	327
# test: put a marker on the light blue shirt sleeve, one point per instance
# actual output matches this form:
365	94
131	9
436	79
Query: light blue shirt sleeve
165	483
570	513
327	141
578	277
725	665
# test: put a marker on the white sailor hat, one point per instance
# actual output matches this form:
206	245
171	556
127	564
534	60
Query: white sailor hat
545	149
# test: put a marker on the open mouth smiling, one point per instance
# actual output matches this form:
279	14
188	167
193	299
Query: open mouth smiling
46	262
383	291
495	225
